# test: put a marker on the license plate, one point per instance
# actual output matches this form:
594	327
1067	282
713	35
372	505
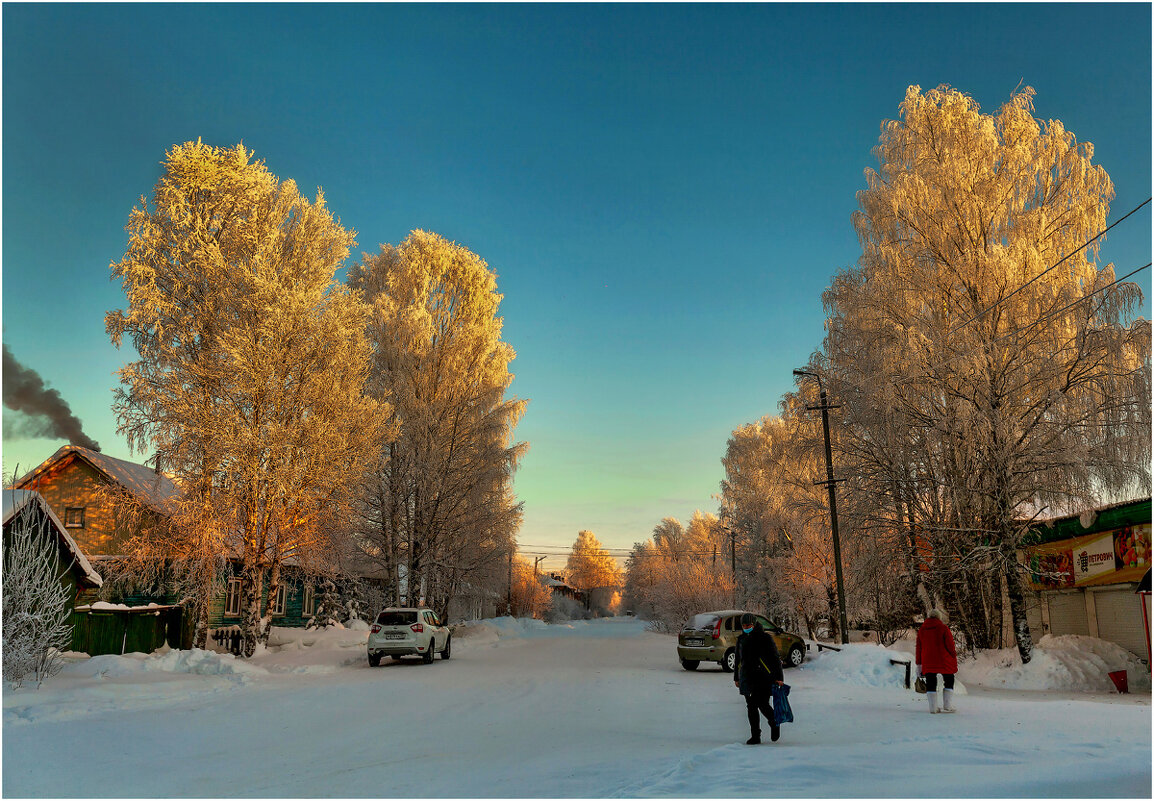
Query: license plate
695	643
394	636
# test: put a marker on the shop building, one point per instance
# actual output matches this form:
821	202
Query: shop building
1086	569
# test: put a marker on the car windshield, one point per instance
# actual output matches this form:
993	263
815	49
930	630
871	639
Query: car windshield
701	622
396	618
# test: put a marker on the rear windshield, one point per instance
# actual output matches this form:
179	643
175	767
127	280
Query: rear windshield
700	622
396	618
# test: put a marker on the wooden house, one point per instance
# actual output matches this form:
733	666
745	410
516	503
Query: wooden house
30	508
72	480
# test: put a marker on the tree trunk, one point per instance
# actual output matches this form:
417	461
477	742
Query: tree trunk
1015	593
273	586
201	599
252	583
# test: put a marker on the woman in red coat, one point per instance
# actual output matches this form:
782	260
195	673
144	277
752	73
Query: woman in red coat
936	654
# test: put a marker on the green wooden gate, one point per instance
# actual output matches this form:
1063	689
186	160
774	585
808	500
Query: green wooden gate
126	631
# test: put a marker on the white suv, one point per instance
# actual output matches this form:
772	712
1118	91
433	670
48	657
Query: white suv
400	631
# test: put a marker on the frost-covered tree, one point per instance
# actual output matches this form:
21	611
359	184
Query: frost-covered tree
37	600
589	565
252	362
531	598
988	368
439	510
780	517
679	572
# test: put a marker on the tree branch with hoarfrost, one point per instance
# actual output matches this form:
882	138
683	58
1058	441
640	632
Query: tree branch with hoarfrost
37	600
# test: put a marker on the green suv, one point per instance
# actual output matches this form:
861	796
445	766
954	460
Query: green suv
712	637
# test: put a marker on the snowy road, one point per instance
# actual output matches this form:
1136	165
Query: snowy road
595	709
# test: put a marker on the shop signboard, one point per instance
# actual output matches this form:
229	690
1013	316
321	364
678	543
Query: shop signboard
1110	557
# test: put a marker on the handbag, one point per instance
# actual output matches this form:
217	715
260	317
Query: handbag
782	713
919	685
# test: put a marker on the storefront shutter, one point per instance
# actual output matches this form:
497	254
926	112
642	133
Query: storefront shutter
1120	618
1067	613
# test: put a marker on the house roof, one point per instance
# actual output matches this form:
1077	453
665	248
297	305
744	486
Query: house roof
154	489
16	499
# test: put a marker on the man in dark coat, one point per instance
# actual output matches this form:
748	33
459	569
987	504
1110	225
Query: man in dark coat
758	667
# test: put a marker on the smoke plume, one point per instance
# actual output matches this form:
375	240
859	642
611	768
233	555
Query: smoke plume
48	414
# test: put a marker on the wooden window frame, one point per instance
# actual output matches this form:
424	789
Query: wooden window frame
309	604
232	598
70	517
279	603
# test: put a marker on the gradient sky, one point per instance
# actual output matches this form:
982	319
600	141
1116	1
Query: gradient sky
664	191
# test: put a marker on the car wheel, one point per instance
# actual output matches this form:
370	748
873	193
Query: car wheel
430	653
448	645
374	660
690	664
796	655
729	662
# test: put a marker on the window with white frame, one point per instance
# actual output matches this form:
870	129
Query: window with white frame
232	598
278	600
309	607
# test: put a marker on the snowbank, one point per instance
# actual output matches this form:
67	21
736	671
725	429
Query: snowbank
202	663
1068	662
863	665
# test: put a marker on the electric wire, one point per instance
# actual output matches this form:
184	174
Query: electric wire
1072	253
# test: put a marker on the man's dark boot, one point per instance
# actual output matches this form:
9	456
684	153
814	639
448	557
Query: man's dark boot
774	733
754	740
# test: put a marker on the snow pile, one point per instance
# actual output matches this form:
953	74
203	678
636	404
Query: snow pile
165	660
1069	662
102	684
493	630
324	650
863	665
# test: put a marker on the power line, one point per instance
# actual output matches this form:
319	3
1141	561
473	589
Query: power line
927	370
1096	237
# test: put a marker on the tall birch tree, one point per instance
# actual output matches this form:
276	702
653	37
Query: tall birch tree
989	368
252	362
439	511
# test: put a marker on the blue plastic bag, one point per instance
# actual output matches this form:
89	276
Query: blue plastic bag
781	710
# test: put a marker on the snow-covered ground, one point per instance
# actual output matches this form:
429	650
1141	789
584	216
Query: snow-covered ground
588	709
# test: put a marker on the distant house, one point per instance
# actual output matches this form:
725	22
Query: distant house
556	583
30	507
473	603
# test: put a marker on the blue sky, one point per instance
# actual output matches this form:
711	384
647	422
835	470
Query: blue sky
663	190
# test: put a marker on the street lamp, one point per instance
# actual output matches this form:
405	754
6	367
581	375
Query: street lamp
830	483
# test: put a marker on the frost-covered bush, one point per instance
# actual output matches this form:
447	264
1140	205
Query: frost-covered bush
564	608
355	601
35	601
330	606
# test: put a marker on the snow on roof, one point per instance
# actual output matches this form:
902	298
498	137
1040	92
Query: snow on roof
15	500
154	489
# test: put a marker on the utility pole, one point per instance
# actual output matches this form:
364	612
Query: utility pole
830	484
509	603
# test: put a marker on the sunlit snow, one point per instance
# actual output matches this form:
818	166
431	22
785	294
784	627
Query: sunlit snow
595	708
